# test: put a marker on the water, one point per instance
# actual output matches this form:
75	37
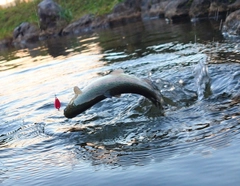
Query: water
124	140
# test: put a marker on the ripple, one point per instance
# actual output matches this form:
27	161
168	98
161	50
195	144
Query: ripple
128	134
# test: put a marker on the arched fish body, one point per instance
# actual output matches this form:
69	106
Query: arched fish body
114	84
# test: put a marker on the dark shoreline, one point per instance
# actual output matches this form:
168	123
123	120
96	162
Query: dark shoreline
128	12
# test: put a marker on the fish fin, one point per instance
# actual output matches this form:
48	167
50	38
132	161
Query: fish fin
77	90
117	71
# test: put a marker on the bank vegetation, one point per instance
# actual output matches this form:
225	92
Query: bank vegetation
21	11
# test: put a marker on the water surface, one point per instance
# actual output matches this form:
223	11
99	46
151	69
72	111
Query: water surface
125	141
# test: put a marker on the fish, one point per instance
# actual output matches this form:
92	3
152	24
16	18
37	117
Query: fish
111	85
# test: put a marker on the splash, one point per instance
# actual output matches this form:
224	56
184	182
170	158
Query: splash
202	79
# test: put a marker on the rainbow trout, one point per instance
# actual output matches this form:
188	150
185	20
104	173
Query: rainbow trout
114	84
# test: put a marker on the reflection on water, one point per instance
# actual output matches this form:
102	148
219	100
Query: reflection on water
196	139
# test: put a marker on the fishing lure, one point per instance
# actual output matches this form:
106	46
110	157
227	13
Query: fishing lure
57	103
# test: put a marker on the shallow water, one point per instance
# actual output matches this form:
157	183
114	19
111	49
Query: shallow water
125	141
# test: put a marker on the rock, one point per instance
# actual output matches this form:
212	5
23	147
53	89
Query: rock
217	8
51	22
25	33
153	8
86	24
177	9
48	13
199	8
133	4
171	10
182	9
100	22
234	6
5	44
114	21
231	26
82	25
126	12
209	8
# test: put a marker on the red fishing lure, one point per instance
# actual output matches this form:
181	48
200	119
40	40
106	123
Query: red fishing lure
57	103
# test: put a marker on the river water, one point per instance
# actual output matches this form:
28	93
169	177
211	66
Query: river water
126	140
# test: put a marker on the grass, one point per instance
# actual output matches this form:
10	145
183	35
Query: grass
13	16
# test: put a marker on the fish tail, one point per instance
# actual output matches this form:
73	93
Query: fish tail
158	99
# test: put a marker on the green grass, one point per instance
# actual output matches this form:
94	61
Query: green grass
13	16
